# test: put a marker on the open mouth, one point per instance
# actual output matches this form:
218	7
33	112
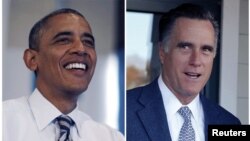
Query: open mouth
76	66
192	75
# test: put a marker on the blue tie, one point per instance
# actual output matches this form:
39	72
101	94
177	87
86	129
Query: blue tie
187	132
64	122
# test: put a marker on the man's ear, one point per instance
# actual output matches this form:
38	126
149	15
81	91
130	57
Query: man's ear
30	59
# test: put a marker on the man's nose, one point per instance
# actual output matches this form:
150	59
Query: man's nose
195	58
79	48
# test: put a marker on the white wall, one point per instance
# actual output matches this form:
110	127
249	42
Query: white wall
243	96
234	58
20	17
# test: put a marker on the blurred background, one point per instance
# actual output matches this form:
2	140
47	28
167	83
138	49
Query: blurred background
104	99
228	84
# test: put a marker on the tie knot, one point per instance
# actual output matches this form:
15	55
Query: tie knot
185	112
65	120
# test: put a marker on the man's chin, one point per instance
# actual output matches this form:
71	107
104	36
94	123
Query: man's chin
77	90
192	93
189	92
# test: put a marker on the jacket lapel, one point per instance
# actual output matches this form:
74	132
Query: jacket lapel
153	116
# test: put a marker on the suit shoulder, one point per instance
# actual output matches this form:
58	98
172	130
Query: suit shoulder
140	89
133	96
134	91
223	116
227	116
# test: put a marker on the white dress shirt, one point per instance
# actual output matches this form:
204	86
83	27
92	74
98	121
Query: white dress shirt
175	120
32	119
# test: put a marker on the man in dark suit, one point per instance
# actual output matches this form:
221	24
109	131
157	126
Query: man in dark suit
170	107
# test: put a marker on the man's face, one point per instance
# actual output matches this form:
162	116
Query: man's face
188	62
66	57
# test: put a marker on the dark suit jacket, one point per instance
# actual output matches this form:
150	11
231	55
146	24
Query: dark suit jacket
146	116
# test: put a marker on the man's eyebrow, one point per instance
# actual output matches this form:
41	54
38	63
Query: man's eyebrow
85	34
184	43
64	33
210	46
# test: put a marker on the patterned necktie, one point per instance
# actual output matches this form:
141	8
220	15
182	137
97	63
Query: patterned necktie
187	132
64	122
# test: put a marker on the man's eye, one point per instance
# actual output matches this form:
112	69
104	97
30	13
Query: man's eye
89	43
184	47
63	41
208	50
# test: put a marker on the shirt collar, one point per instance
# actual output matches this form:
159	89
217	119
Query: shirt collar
78	117
172	104
45	112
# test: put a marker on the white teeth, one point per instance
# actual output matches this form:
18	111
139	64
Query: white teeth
193	75
76	66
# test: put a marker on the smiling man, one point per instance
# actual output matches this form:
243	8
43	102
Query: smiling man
170	108
62	55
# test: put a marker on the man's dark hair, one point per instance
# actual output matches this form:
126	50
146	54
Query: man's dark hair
187	11
36	31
